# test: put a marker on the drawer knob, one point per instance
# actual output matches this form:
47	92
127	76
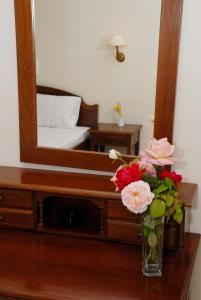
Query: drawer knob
2	218
1	197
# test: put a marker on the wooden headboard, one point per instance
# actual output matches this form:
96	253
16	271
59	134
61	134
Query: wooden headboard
88	113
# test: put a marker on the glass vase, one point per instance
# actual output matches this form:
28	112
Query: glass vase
121	122
152	245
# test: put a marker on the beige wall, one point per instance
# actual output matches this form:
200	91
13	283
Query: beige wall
187	128
187	131
71	47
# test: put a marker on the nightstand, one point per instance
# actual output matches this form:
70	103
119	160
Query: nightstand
111	134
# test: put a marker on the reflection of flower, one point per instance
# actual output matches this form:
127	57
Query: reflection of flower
172	175
137	196
158	152
117	108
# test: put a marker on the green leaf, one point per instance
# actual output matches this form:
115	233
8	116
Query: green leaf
161	188
169	183
178	215
172	209
152	240
158	221
157	208
153	181
146	231
174	193
149	222
169	200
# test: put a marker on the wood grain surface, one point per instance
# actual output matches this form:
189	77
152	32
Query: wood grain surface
39	266
72	183
171	14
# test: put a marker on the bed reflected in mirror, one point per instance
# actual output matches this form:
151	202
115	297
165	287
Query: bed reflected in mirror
64	120
79	80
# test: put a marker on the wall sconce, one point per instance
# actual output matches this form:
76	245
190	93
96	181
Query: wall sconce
117	41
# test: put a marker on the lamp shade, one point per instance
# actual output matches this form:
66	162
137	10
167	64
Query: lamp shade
117	40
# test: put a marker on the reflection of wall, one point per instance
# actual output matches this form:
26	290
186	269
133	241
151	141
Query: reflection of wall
70	47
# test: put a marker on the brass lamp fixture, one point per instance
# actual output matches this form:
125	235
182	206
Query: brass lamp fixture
117	41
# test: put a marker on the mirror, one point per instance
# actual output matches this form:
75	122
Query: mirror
74	51
163	89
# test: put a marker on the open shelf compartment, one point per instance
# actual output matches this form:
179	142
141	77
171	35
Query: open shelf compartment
70	215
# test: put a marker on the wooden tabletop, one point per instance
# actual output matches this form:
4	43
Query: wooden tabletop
114	128
73	183
39	266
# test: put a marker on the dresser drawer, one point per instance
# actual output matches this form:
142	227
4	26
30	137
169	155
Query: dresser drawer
16	218
124	231
118	211
16	198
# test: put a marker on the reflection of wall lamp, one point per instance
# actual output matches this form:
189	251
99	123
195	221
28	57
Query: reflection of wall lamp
117	41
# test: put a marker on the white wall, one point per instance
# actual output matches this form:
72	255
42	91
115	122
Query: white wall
187	129
9	133
187	132
72	51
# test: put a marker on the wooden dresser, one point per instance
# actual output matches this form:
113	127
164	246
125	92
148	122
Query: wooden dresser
43	215
74	204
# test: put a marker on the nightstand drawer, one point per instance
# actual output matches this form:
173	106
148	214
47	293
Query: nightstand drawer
110	139
124	231
16	218
16	198
116	210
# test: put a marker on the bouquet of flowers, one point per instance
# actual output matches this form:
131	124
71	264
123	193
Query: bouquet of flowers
147	188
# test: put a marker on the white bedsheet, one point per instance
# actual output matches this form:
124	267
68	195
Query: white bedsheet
61	137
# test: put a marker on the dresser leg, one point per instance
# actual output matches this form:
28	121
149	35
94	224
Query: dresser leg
136	147
129	150
102	221
41	220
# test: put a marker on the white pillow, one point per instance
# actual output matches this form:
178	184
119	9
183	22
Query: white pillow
57	111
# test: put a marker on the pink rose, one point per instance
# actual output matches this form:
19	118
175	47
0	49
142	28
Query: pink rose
158	152
137	196
147	167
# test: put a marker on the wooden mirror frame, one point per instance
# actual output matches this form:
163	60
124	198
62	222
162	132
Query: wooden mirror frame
168	51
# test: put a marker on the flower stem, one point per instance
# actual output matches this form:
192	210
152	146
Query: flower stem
122	160
158	170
